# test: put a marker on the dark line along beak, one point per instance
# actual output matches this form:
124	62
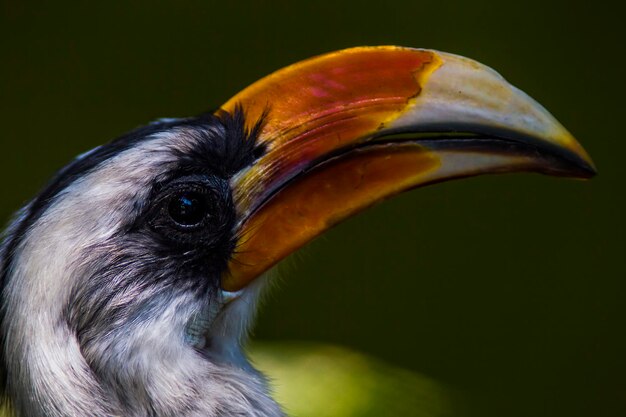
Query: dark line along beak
348	129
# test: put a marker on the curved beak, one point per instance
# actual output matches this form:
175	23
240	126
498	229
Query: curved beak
348	129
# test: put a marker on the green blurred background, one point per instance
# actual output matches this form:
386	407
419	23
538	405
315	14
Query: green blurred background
508	291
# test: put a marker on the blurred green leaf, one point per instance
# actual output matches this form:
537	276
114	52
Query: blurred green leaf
327	381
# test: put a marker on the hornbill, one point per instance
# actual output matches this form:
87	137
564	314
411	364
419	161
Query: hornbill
129	282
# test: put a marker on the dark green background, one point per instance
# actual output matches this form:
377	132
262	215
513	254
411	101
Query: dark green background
509	289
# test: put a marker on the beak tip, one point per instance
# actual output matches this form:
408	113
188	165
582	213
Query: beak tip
578	166
586	172
589	170
572	158
585	167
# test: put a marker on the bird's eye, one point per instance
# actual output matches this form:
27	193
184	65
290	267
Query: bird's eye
193	210
188	208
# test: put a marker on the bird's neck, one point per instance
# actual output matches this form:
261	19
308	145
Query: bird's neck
146	366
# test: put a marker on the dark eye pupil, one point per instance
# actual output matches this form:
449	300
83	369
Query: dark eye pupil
188	208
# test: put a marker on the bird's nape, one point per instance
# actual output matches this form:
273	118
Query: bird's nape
130	281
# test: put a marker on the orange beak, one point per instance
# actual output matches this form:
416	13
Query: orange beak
348	129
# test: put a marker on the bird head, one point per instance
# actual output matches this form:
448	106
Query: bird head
130	281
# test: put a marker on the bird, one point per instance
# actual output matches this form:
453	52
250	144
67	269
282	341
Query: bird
130	282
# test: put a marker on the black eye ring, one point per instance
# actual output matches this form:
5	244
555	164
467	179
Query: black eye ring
188	208
193	211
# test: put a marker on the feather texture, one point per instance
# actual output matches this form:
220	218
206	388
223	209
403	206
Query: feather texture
97	303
